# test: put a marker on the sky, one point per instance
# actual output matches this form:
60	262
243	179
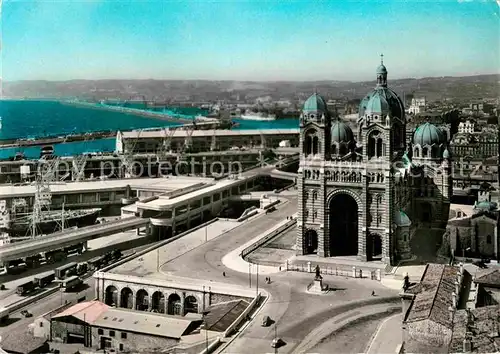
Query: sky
247	40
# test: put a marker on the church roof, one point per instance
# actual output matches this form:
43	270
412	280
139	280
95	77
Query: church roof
315	103
428	134
341	133
401	219
382	101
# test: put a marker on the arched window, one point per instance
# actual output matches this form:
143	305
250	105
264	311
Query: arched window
334	149
416	151
425	151
342	149
379	147
315	145
371	147
308	145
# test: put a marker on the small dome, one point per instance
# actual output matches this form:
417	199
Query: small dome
401	219
341	133
486	206
428	134
315	103
446	154
381	69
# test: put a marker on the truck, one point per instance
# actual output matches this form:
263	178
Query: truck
55	256
44	279
70	283
66	270
25	288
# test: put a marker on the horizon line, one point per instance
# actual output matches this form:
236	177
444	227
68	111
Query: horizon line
256	81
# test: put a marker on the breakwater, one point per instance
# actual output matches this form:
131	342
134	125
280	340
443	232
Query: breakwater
50	140
131	111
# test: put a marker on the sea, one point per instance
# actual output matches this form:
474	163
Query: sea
38	119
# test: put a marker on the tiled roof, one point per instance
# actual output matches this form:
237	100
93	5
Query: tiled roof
434	295
489	277
143	322
85	311
483	326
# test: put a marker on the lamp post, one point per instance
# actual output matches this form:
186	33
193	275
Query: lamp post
249	275
257	284
205	313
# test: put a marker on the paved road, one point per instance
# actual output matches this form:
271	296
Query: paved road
297	313
388	336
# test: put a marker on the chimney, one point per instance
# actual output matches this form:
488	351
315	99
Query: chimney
467	343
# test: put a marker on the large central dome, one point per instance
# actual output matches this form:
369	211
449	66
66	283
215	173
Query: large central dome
382	101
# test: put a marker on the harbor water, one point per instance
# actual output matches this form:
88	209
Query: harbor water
36	119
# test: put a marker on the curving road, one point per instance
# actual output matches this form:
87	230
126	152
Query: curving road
296	312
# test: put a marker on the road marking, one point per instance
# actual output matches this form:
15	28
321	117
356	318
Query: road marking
381	325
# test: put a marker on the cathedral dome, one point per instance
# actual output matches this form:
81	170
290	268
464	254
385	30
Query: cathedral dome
341	133
315	103
428	134
382	101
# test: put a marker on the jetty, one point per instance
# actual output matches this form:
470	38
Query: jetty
131	111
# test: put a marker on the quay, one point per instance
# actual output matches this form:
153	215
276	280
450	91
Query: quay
132	111
51	140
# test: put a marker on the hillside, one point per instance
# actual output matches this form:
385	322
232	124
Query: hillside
434	88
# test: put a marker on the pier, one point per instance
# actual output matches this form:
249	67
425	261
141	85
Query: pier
133	111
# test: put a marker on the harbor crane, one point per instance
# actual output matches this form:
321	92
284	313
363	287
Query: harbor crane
127	157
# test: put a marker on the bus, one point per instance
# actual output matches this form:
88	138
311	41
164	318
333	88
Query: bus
70	283
66	270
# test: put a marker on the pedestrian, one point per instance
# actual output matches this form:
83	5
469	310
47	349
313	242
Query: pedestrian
223	274
269	280
373	292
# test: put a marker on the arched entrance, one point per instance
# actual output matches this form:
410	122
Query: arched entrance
158	302
376	246
343	225
142	300
127	298
311	242
174	305
190	305
111	298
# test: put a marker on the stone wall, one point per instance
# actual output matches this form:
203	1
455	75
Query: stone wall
133	343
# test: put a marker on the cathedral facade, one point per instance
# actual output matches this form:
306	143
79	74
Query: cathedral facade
366	195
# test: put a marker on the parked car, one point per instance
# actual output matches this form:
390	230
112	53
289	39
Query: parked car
26	313
277	342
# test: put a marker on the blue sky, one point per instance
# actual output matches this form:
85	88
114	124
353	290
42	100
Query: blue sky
247	40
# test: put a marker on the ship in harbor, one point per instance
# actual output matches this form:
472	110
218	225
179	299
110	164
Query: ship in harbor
259	116
49	221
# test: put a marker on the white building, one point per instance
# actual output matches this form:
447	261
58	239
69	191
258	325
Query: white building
417	105
466	127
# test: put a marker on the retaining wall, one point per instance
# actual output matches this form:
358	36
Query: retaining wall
242	316
274	232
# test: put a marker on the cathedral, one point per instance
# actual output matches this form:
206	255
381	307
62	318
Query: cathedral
366	194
